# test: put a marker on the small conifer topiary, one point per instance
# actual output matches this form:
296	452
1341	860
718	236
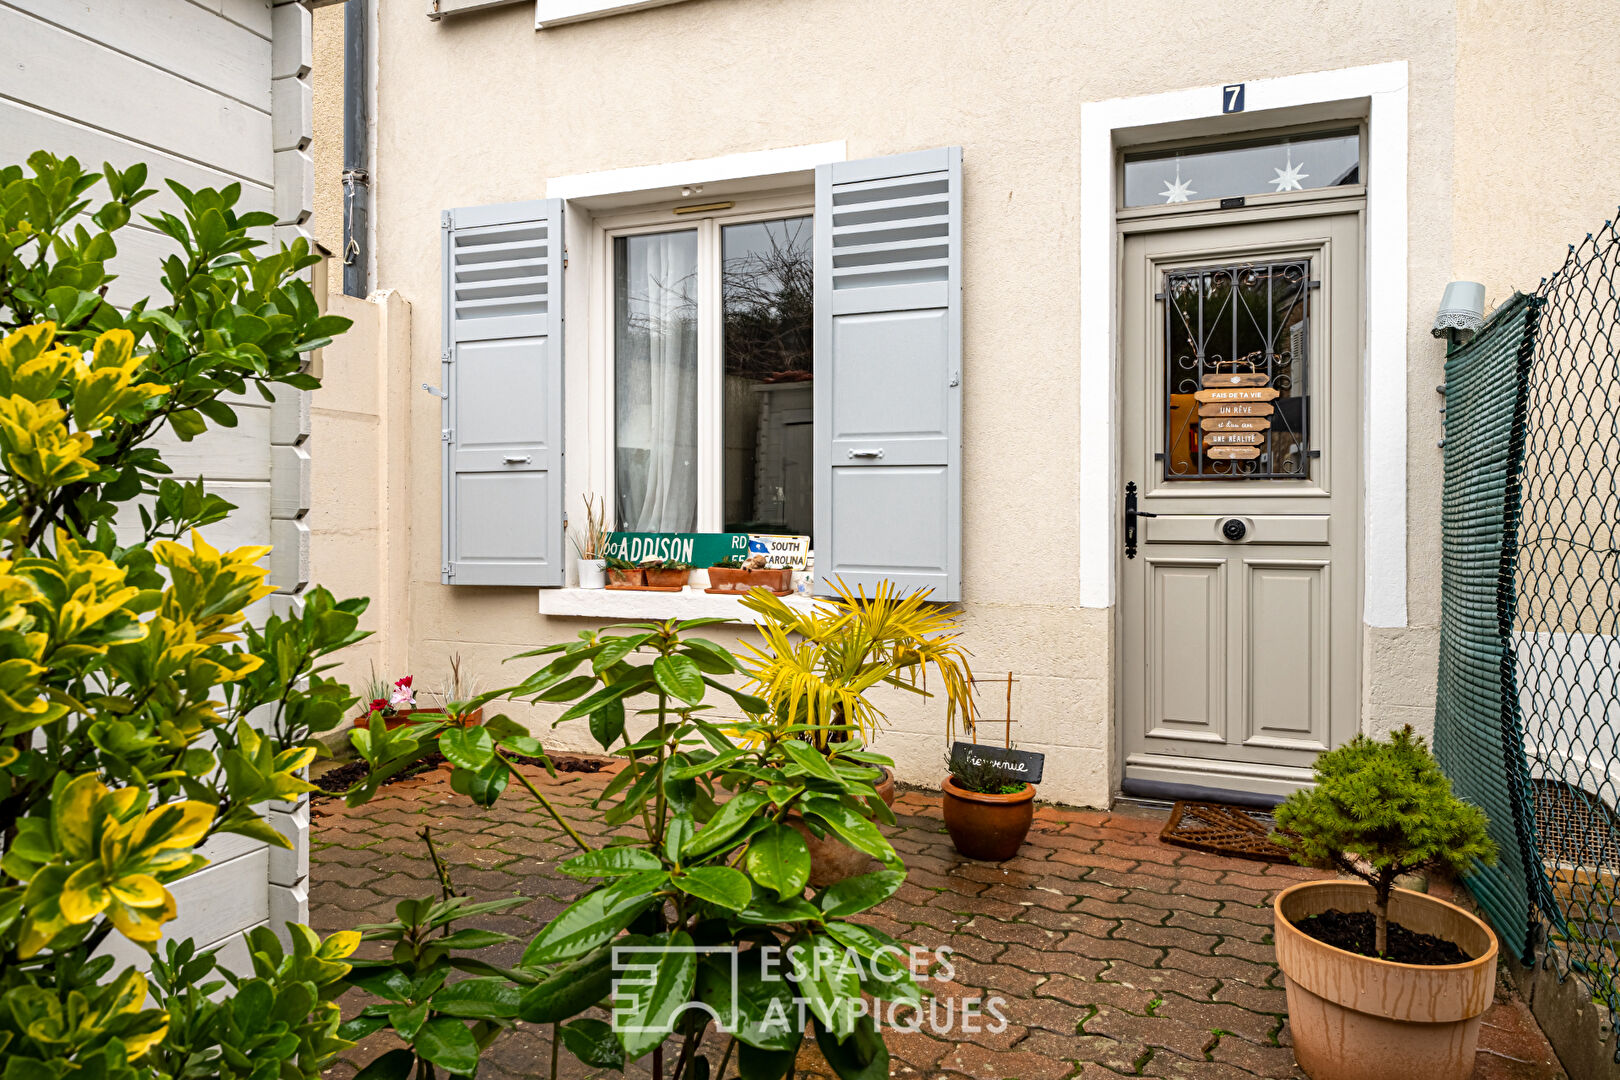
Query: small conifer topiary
1380	810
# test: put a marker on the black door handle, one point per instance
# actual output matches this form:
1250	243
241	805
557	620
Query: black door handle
1131	514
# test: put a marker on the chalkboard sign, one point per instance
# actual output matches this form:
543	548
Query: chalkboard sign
1015	765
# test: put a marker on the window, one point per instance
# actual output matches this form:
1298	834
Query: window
711	360
1291	163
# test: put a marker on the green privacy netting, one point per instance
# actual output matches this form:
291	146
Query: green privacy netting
1476	730
1528	716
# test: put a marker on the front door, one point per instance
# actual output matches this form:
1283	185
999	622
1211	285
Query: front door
1240	615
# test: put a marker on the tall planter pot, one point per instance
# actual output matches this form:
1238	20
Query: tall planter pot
1358	1017
832	860
988	827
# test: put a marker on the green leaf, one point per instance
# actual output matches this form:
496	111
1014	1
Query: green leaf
718	885
604	696
447	1043
593	1042
679	677
765	911
778	858
615	649
829	980
570	990
187	424
737	812
478	999
472	939
854	894
663	984
889	977
809	759
858	1055
594	918
747	702
852	828
676	835
611	862
467	748
394	1065
765	1006
405	1019
607	724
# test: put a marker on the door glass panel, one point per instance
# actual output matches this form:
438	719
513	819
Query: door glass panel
1236	402
766	285
1295	163
655	358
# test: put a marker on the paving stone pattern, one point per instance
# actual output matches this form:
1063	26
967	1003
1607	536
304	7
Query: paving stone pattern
1114	954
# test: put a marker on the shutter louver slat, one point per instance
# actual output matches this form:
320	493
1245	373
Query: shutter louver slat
503	512
888	362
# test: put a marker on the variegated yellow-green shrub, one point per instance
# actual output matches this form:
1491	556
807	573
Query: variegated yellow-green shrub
141	712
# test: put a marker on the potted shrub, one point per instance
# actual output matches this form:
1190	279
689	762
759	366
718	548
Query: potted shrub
816	669
624	574
591	545
393	702
987	815
666	573
1382	981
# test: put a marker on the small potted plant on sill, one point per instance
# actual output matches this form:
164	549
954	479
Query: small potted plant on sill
728	576
624	574
591	545
666	573
987	815
1400	977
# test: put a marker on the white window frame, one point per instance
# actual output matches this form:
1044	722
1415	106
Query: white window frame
711	358
559	12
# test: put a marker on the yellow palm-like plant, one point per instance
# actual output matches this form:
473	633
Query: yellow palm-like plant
816	669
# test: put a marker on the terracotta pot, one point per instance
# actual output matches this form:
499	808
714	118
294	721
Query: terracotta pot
730	578
633	575
667	579
832	860
778	581
988	827
403	716
1358	1017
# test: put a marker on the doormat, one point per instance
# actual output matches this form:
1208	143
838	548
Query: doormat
1224	830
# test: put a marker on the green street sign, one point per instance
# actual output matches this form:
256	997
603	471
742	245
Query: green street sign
701	550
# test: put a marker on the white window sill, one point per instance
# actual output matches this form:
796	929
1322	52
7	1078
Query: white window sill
620	604
558	12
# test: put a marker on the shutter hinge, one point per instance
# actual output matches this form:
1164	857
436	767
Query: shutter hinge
447	435
956	378
444	219
565	258
447	357
448	570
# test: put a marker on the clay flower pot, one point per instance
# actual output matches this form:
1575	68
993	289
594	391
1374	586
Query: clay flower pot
1358	1017
665	578
832	860
778	581
631	575
988	827
402	717
728	579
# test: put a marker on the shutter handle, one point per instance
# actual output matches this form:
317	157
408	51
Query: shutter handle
516	459
866	453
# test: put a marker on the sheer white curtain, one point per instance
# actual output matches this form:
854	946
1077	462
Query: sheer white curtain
655	377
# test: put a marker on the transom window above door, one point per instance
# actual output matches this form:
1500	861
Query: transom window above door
712	375
1261	167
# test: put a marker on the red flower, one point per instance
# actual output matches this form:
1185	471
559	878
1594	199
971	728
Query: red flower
406	681
379	705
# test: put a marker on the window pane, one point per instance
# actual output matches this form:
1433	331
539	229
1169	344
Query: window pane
655	298
1301	163
766	284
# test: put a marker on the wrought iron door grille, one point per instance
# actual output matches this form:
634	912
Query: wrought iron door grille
1240	333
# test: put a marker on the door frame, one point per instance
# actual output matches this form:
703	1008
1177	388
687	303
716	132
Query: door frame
1376	95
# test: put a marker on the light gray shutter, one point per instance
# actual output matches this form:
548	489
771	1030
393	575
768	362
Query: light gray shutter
888	353
503	421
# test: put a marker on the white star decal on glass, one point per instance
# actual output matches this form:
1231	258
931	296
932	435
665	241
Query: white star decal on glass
1178	191
1289	179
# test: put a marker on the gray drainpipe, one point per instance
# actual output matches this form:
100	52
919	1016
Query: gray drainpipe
356	178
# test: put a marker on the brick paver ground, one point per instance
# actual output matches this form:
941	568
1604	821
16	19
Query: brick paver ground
1115	954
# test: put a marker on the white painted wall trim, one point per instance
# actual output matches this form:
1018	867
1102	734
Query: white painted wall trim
752	165
1384	86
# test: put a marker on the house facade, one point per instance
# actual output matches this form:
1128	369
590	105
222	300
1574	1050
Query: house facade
206	94
1111	326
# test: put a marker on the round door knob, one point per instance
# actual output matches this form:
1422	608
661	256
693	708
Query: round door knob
1233	529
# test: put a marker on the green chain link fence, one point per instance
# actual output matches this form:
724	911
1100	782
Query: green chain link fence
1528	717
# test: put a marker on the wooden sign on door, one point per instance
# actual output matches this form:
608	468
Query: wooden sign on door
1233	453
1238	408
1234	438
1235	423
1216	379
1239	393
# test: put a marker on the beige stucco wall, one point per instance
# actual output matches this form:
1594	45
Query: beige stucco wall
480	108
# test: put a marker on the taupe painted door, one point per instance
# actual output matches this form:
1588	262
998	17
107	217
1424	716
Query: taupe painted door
1240	612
